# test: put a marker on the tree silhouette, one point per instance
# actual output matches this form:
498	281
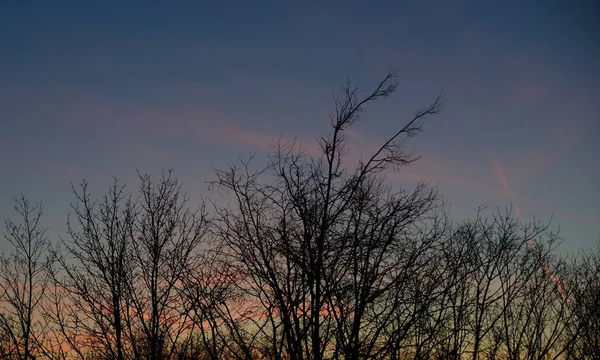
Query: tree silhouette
23	278
314	257
322	250
93	271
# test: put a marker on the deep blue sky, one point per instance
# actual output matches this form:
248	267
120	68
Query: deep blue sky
99	88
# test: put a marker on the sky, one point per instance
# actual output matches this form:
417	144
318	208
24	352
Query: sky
97	89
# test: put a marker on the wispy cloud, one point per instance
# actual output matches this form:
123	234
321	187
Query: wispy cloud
529	91
70	112
547	152
430	167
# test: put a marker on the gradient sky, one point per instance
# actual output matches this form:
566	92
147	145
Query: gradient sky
101	89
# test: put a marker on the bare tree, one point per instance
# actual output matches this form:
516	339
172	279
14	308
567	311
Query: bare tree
118	274
314	258
215	303
584	302
322	250
166	236
23	277
535	311
501	303
93	271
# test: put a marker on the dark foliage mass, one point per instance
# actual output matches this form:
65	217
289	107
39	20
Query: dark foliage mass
311	258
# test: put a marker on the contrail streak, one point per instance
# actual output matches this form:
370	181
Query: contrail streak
499	172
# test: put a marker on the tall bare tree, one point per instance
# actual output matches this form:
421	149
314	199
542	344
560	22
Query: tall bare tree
584	301
322	249
118	274
93	271
166	236
23	277
313	258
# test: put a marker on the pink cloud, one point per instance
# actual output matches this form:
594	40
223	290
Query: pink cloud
529	92
80	112
448	172
355	135
530	162
142	124
428	168
66	173
527	80
522	65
